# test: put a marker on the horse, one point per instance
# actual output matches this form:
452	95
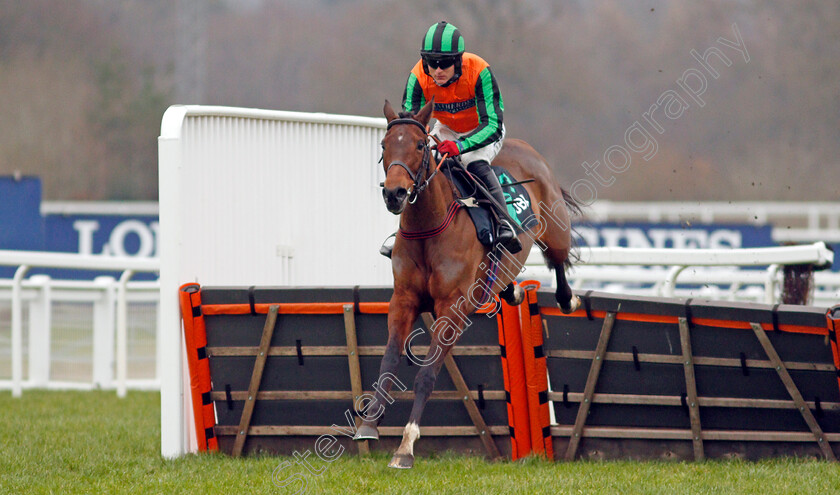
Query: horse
445	271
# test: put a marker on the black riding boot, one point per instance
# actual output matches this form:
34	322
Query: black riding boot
507	237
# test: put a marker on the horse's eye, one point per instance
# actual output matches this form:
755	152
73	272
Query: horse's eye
420	146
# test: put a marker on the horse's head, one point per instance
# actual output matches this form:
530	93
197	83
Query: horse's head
405	156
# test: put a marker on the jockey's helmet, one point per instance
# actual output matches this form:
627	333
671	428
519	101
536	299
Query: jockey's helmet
442	43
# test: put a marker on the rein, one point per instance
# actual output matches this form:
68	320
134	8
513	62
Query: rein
419	186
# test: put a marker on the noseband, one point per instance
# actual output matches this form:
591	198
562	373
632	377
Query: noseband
417	187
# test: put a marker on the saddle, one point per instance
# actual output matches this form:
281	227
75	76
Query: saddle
481	209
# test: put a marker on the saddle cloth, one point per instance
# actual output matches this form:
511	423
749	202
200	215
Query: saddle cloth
517	198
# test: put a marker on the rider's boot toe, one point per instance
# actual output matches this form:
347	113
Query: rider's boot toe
508	238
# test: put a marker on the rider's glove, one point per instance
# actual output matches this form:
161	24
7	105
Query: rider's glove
449	147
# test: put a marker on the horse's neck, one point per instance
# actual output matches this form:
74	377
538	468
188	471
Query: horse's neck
430	209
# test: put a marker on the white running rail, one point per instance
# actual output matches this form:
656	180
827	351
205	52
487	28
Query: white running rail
624	266
39	343
797	222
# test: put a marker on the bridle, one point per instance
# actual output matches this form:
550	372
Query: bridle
419	184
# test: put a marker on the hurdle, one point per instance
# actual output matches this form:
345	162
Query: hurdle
288	365
634	378
692	379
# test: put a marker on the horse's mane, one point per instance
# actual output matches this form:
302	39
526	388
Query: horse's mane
406	115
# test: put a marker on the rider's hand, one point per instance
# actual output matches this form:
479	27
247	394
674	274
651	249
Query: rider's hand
449	147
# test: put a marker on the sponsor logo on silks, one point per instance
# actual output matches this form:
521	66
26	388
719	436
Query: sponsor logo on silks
518	203
458	106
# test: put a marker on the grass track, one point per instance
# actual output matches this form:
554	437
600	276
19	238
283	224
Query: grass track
92	442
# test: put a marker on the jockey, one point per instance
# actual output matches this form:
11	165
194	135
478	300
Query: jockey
468	109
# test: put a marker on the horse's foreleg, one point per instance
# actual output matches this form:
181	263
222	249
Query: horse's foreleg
398	324
375	410
424	384
444	337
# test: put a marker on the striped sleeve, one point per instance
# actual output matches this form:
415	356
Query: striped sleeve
413	98
488	103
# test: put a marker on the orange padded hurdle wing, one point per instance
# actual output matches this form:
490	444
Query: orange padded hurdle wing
195	336
513	370
536	371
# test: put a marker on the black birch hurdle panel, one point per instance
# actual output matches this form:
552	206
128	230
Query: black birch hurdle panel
290	366
670	378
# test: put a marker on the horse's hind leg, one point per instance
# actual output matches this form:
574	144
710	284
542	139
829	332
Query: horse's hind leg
566	299
513	294
556	243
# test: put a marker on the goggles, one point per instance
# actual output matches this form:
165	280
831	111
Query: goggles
439	63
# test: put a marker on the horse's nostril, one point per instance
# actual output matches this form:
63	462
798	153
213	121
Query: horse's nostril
398	194
395	199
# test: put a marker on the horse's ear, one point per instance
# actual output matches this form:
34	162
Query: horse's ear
390	114
425	113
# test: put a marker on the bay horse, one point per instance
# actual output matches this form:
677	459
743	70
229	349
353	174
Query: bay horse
445	271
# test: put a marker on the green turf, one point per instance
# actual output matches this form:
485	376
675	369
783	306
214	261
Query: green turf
92	442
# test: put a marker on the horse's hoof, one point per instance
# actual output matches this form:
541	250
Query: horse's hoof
574	304
514	296
518	295
402	461
366	433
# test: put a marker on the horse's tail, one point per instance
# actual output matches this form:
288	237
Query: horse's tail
575	209
573	206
